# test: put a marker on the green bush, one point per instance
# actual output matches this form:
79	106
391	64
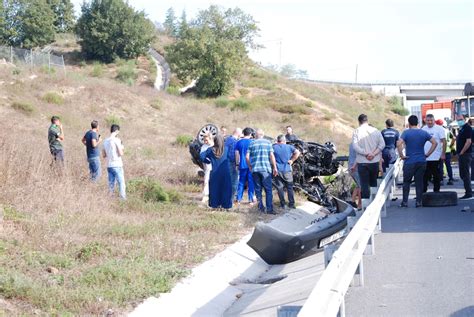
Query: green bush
23	106
156	104
127	73
241	104
16	71
183	140
244	91
112	119
300	109
222	102
151	191
54	98
47	70
173	90
97	69
400	110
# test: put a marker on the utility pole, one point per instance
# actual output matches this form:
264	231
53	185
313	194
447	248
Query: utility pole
357	66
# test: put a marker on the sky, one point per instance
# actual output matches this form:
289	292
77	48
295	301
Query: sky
385	40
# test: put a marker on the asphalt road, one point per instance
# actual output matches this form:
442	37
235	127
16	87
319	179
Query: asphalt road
423	265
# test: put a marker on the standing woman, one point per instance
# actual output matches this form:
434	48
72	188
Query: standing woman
220	184
208	143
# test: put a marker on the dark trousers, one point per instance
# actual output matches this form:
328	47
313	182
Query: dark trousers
389	157
472	165
449	168
263	181
282	181
464	173
432	170
368	173
416	170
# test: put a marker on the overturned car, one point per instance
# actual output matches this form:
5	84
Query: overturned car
300	232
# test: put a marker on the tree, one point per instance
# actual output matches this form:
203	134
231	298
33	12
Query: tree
37	24
183	25
63	15
26	23
110	29
213	50
170	23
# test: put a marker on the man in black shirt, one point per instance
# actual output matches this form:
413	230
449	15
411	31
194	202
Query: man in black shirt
464	150
289	134
390	136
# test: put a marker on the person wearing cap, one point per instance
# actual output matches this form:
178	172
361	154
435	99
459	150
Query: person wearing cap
464	150
447	160
434	160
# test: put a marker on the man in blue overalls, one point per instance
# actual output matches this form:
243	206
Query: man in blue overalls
390	136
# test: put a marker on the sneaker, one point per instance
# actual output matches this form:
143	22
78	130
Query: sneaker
292	206
403	205
418	205
450	182
466	197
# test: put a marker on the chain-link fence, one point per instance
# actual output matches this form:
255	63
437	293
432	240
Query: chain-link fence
31	58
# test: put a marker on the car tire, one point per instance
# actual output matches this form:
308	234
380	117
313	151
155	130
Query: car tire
439	199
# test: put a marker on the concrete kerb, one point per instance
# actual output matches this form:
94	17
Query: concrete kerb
208	291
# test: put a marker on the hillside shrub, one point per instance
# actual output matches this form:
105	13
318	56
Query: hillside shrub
299	109
97	69
244	91
54	98
127	73
113	119
151	190
156	104
23	106
241	104
183	140
397	107
222	102
173	90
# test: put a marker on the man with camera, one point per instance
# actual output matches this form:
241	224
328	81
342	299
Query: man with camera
55	138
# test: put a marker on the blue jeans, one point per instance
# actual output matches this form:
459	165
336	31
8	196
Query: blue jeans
94	168
234	179
116	174
244	176
263	180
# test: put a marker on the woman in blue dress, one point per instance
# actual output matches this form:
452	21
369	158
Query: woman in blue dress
220	184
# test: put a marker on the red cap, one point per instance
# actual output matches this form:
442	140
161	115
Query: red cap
439	122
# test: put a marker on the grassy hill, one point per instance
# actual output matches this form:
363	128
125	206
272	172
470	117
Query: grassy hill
66	247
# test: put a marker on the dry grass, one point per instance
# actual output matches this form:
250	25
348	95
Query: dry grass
108	254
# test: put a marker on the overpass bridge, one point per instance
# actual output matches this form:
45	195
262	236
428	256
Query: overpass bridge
408	90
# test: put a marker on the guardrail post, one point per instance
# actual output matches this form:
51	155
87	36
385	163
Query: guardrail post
328	253
342	310
358	279
370	248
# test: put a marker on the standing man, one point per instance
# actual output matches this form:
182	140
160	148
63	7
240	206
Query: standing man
464	150
414	140
245	176
289	134
390	137
434	160
113	151
230	143
91	140
447	155
285	155
261	160
55	138
368	144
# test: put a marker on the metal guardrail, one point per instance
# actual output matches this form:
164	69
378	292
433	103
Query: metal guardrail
391	83
327	298
165	67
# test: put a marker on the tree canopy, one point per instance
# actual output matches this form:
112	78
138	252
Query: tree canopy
63	15
26	23
111	29
213	49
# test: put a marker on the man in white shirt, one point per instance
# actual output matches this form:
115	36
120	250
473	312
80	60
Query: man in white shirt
113	151
368	144
434	160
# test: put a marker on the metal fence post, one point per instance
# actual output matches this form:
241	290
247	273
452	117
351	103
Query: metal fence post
358	279
64	65
49	61
370	248
31	57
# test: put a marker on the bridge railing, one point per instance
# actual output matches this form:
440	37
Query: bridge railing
327	298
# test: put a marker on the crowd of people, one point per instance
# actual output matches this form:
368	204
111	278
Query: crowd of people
243	160
425	152
247	160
